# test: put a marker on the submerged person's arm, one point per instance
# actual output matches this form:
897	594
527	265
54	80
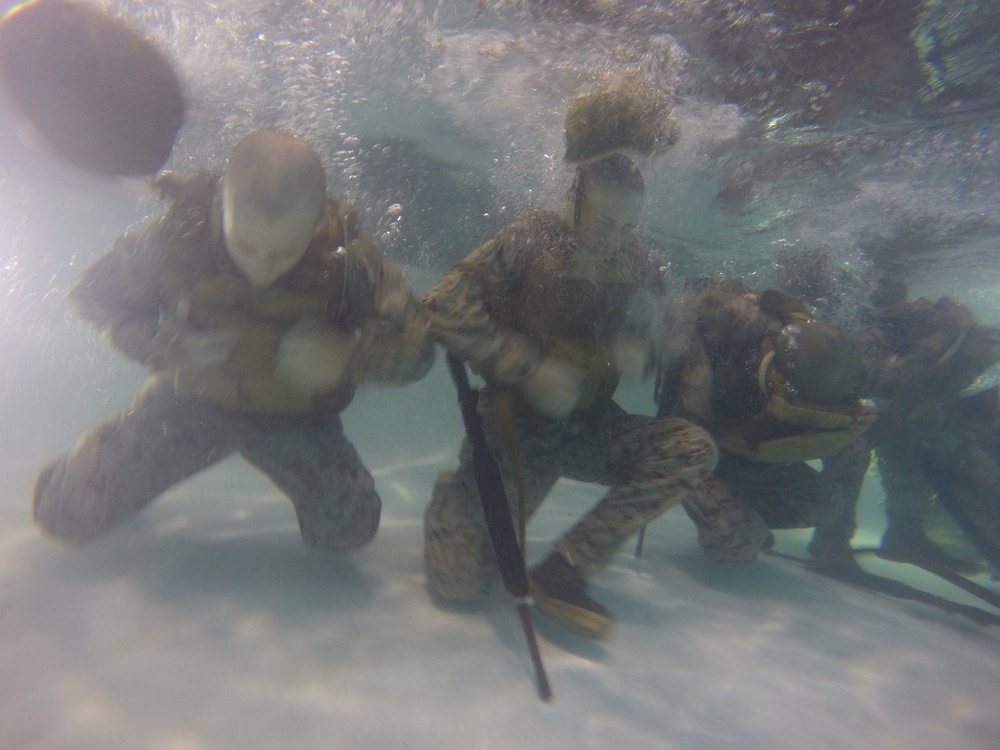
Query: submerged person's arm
122	294
125	293
462	308
372	330
119	295
394	345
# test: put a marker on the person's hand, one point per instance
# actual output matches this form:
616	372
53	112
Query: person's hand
631	355
202	349
313	358
177	343
864	419
554	388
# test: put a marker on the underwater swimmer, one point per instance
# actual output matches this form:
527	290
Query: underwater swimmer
776	389
546	312
258	305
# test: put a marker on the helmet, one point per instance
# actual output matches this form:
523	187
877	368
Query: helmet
628	116
273	194
820	361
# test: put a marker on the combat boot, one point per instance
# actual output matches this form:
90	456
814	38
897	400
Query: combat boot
832	554
560	593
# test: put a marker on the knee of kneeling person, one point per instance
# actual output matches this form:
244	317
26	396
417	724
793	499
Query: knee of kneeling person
61	517
459	585
704	451
336	540
341	536
680	450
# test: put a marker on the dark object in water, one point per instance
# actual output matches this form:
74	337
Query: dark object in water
891	587
94	92
506	547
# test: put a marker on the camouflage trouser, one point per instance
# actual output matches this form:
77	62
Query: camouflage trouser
649	463
966	478
734	509
908	493
123	464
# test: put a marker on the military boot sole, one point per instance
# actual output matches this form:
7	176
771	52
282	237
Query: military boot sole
578	620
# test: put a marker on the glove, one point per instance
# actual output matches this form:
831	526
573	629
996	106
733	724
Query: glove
554	389
203	350
631	355
176	344
313	358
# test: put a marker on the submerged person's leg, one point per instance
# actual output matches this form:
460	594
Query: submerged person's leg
830	545
120	466
908	500
458	553
967	480
651	464
797	496
786	496
729	530
317	467
458	558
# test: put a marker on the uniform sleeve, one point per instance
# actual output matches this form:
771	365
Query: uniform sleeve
463	314
394	344
123	293
119	295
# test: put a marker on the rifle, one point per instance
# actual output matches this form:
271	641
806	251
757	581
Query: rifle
496	509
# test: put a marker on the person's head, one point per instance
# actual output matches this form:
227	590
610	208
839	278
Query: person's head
273	194
820	361
607	197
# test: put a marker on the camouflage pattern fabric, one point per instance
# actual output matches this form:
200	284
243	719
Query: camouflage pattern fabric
173	276
714	378
532	292
931	440
649	463
735	508
119	467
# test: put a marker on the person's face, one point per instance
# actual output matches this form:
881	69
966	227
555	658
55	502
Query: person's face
263	248
605	214
261	264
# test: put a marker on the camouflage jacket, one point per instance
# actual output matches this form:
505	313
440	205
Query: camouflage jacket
174	274
531	292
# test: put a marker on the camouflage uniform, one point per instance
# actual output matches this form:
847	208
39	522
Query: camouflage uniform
187	418
528	293
720	377
930	441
